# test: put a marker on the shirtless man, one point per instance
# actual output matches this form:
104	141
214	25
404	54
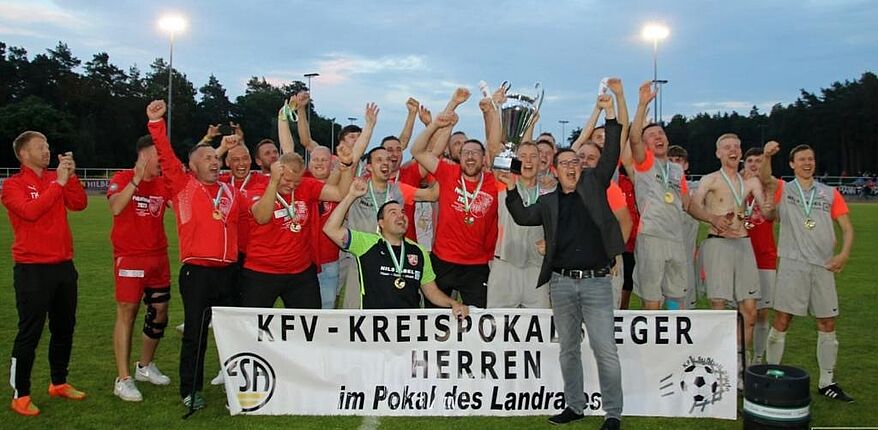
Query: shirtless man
728	259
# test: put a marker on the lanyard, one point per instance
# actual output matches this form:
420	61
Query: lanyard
467	203
807	205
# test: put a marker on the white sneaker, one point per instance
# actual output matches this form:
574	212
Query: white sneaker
220	379
126	390
151	374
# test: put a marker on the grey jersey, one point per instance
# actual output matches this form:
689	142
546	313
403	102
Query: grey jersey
516	244
798	242
363	213
658	218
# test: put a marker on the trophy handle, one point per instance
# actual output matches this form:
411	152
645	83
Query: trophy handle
538	96
507	85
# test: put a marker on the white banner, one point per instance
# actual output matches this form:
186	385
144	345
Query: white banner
496	362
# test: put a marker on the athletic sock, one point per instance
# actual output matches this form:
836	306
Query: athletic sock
760	335
827	352
775	345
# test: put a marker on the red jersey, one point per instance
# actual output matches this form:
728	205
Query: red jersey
139	229
762	237
326	251
274	247
256	180
627	187
410	174
208	231
37	208
456	240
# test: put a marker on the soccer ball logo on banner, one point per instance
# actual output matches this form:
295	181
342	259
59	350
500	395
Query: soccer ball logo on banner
703	381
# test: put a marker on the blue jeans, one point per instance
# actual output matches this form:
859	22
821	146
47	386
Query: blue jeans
589	301
328	278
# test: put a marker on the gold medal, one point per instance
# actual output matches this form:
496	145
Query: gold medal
217	215
468	220
669	198
810	223
295	227
740	215
748	224
399	283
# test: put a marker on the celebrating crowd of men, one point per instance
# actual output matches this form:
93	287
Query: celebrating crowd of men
576	230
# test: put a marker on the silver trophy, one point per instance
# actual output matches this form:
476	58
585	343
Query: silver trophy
517	114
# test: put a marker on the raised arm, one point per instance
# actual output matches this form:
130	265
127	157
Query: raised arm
638	149
610	156
615	85
587	129
172	168
334	227
769	183
284	136
493	130
263	209
362	142
302	99
119	200
335	192
426	158
405	135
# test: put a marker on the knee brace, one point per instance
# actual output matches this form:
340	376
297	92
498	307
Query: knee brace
152	328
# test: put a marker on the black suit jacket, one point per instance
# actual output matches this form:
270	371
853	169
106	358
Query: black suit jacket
592	189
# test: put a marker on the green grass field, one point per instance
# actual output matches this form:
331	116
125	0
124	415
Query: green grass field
92	366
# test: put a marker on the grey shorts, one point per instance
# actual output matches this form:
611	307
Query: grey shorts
730	269
510	286
804	288
661	270
767	279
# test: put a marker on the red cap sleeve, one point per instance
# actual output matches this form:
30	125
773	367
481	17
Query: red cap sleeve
839	206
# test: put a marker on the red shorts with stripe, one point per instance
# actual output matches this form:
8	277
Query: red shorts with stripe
134	274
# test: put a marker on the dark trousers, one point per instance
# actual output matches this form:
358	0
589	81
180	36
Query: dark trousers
261	290
43	290
201	288
471	281
628	268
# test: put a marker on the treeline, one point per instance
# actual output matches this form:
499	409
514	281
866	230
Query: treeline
95	109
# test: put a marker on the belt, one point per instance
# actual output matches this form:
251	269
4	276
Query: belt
715	236
583	274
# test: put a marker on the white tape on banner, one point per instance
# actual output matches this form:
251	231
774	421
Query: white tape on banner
496	362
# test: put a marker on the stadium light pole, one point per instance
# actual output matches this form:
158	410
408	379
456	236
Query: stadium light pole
171	24
654	33
332	135
563	123
309	76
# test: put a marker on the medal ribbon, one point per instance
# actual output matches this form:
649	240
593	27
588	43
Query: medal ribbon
466	201
293	215
738	195
807	205
397	262
243	184
375	205
530	198
665	173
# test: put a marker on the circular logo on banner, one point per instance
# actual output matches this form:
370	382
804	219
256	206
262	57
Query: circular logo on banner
252	377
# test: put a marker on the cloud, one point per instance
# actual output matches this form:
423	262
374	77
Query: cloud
41	13
338	68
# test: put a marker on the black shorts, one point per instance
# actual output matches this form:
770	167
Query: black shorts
470	280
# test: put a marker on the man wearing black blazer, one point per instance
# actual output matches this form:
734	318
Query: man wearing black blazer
582	240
